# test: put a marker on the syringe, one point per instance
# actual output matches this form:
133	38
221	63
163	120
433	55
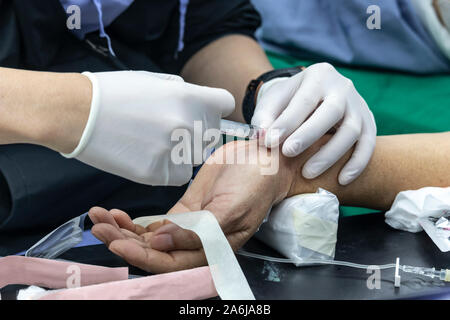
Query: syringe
241	130
443	274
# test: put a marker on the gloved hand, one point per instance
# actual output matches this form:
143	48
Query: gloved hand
301	109
132	117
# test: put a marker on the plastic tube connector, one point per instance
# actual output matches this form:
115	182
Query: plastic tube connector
447	275
397	277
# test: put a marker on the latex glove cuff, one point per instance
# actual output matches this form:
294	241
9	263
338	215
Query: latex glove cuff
87	132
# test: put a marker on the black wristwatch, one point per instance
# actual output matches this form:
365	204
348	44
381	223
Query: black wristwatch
249	103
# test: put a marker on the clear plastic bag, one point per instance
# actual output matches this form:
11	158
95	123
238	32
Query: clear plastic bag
59	240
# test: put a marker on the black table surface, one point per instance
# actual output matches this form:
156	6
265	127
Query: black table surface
364	239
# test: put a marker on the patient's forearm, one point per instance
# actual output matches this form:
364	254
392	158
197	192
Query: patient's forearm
401	162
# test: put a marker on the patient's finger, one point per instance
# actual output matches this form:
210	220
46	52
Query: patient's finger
155	261
124	221
100	215
107	233
172	237
182	239
132	235
168	236
179	207
156	225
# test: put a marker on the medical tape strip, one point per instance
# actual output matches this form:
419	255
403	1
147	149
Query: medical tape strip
192	284
54	274
311	232
227	275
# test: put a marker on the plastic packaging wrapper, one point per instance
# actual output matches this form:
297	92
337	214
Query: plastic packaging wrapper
438	230
303	227
424	209
63	238
412	205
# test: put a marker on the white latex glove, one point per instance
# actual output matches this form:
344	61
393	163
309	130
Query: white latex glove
132	117
305	107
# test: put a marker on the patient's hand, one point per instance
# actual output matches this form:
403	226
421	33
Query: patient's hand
237	194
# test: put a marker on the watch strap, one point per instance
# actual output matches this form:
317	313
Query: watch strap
249	102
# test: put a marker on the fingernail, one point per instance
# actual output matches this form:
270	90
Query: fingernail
162	242
292	149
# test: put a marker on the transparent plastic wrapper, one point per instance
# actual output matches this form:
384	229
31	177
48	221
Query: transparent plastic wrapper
63	238
303	227
438	230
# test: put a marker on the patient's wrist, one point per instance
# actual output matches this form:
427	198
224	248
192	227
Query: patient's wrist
302	185
270	163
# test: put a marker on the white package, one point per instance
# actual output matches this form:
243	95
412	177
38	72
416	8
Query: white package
412	205
303	227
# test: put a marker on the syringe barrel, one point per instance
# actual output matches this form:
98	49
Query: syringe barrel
240	130
442	274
